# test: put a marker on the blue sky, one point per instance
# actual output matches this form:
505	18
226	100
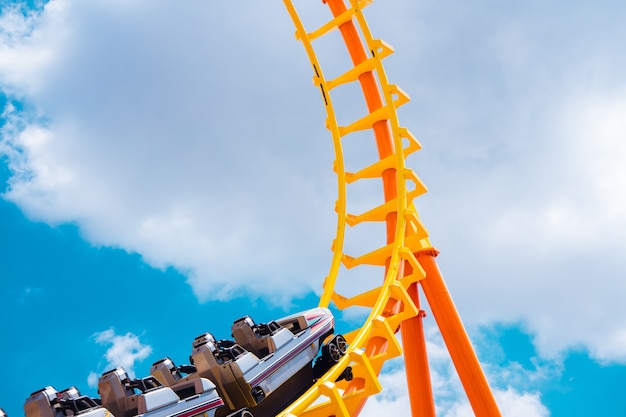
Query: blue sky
165	170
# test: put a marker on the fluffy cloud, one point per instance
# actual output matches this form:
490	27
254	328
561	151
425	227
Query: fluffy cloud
511	402
124	351
523	156
537	238
179	135
148	139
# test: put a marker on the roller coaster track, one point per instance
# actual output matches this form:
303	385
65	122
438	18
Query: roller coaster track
405	255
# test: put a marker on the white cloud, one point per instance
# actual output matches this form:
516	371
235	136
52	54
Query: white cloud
124	351
542	243
146	138
92	379
511	403
524	156
197	142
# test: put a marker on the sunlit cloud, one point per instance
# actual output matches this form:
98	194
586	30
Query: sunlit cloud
123	351
215	161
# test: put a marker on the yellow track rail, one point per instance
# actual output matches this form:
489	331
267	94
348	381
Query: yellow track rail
390	304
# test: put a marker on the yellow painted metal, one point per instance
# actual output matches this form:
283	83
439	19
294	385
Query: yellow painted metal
345	399
394	303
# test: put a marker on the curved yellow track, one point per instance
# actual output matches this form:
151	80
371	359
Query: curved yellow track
389	304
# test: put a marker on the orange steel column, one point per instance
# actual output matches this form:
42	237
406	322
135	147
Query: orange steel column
448	321
461	351
416	361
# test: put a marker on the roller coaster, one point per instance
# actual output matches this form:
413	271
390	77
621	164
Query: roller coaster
404	258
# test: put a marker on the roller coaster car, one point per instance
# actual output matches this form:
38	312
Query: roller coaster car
147	397
125	397
48	402
267	365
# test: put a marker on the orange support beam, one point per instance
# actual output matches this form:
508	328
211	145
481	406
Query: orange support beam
439	299
455	337
416	363
382	131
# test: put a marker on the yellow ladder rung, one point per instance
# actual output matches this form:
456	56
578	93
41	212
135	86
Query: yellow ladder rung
327	408
365	299
372	171
353	73
377	257
331	25
379	213
365	122
377	168
382	49
369	298
377	115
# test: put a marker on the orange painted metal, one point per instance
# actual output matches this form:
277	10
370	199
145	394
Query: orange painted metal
416	363
455	337
382	134
439	300
416	360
